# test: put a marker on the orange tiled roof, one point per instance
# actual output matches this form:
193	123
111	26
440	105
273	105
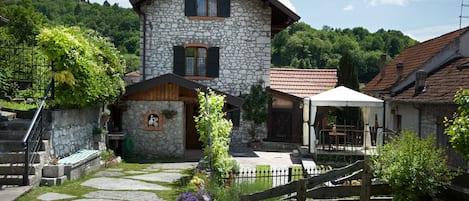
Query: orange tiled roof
133	74
441	85
413	58
302	82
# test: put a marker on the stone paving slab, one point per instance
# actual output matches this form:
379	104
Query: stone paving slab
93	200
104	183
185	165
123	195
106	173
135	172
54	196
161	177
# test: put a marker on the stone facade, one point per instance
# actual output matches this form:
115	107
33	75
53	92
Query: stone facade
168	141
244	40
72	130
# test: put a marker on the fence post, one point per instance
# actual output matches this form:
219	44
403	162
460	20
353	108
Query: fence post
366	180
301	192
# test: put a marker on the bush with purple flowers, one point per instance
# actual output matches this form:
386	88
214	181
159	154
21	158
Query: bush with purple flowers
194	196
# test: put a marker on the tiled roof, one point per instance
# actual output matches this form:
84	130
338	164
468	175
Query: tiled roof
133	74
441	85
412	58
302	82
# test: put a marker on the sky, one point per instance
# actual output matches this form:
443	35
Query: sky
419	19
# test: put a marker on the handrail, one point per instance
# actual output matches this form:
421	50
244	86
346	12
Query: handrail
28	149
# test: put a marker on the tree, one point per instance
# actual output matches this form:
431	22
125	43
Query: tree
348	77
214	132
87	67
413	168
458	127
255	108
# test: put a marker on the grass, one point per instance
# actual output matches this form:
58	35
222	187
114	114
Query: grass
76	189
17	106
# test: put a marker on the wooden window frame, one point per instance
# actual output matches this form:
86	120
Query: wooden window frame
195	74
222	9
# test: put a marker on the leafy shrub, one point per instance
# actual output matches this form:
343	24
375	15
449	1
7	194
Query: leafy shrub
413	168
458	127
87	67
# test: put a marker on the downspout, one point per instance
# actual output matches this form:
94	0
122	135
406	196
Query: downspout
384	121
144	46
420	122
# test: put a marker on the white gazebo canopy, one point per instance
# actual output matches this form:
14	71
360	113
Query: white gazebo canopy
341	97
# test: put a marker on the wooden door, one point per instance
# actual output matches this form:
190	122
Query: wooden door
281	125
192	136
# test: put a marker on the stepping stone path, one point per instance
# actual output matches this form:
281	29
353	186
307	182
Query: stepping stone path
54	196
116	184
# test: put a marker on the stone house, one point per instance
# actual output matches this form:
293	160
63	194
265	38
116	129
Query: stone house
419	85
289	88
188	45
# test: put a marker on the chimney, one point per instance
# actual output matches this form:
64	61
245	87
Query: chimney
399	70
382	65
420	79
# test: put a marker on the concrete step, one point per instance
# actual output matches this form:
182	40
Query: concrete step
7	146
11	146
18	157
16	169
8	115
15	124
12	134
18	180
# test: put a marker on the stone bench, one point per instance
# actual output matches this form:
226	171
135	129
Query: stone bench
80	163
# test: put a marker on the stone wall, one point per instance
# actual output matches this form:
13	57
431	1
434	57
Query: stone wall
72	130
168	141
244	40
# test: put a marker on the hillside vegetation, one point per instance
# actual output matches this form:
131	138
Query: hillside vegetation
299	46
302	46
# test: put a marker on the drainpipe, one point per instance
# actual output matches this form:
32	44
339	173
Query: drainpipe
144	59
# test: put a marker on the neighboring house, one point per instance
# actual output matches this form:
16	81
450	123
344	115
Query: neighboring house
419	85
289	88
132	77
188	45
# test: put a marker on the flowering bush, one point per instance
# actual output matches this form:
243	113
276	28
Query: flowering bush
194	196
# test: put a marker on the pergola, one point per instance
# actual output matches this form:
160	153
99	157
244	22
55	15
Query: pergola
340	97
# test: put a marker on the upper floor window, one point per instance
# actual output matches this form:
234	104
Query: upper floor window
196	60
208	8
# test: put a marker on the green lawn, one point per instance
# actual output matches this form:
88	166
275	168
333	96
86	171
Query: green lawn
74	188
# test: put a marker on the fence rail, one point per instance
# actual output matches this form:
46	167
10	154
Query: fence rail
300	187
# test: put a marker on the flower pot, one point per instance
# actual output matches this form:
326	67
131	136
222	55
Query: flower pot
53	171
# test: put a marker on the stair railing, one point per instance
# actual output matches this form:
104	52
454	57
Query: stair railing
32	139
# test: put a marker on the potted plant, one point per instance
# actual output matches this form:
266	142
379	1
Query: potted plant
169	114
53	169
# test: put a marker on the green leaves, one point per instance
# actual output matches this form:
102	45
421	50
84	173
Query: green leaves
413	168
87	67
458	127
212	125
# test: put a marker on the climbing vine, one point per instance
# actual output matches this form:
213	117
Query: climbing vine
87	67
212	125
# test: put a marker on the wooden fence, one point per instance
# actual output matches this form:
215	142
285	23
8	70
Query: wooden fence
313	187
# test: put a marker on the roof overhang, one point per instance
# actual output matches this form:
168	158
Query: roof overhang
281	16
3	21
180	81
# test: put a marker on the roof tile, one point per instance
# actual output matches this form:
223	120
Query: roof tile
413	58
441	86
302	82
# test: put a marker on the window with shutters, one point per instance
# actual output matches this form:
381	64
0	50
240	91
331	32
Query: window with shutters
197	61
207	9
